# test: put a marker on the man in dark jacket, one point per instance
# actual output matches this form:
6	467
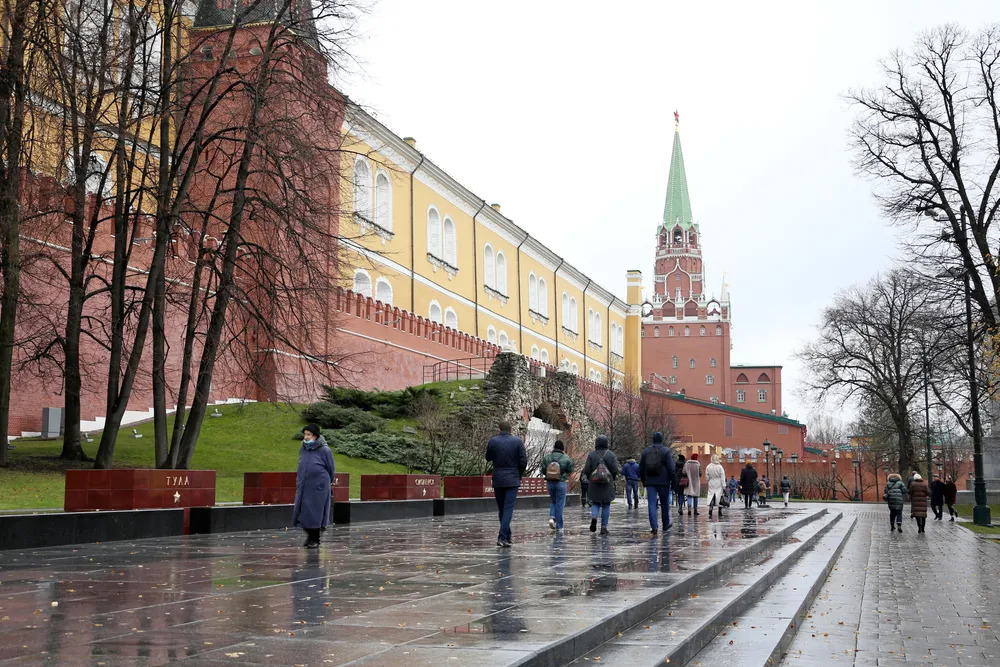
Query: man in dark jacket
509	458
937	498
786	488
656	470
950	494
557	487
602	493
630	471
748	485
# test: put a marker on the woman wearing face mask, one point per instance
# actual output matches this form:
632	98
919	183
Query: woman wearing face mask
312	485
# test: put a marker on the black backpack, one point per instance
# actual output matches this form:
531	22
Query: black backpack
654	462
601	474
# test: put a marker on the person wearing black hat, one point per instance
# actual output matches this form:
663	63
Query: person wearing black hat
312	485
601	469
510	460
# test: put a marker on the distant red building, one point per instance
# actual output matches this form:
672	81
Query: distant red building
686	339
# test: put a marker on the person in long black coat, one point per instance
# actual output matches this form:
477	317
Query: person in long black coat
748	485
937	498
601	494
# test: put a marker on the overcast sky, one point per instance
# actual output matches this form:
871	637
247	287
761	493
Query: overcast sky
562	113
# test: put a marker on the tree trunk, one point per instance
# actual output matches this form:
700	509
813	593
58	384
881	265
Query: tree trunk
160	374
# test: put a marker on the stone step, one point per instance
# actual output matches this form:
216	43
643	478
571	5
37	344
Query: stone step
611	625
682	628
768	627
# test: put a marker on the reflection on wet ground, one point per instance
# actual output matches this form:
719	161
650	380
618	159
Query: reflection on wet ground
408	592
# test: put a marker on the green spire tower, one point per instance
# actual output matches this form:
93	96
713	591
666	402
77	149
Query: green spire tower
677	207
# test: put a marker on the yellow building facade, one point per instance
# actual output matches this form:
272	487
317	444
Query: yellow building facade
419	240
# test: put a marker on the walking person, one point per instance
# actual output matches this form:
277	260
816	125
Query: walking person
312	485
919	495
630	471
656	471
733	485
509	458
556	467
786	488
894	495
601	469
680	481
748	485
584	496
693	489
937	499
715	476
950	495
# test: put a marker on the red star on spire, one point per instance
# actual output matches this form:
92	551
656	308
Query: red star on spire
677	118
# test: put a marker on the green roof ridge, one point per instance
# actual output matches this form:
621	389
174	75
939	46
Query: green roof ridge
677	207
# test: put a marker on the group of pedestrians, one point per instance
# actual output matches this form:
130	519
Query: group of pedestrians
921	494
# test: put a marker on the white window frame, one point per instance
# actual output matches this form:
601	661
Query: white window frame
702	331
383	209
502	339
691	363
430	312
675	361
501	273
762	395
709	379
491	334
670	332
381	281
451	318
687	332
362	191
575	368
544	356
489	267
712	363
543	297
718	330
574	315
741	396
656	332
534	352
598	329
532	292
366	290
435	233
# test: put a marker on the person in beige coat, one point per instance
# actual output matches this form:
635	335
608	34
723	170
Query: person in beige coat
715	475
693	471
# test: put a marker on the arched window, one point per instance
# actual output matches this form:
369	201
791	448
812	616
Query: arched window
573	314
593	375
670	332
451	318
450	242
656	332
97	168
575	368
502	340
718	330
534	352
674	361
489	268
491	335
383	291
621	341
687	331
543	298
590	325
565	309
362	190
711	362
691	363
544	356
597	377
362	283
598	329
702	332
742	378
383	202
673	379
434	232
532	292
501	274
434	312
762	378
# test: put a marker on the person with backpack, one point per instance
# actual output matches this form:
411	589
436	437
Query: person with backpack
656	471
680	482
894	495
601	470
692	469
630	471
556	467
786	488
748	485
510	460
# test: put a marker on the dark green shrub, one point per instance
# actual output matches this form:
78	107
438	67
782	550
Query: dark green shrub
354	420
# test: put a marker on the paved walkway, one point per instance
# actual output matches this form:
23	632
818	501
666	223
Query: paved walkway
394	593
931	599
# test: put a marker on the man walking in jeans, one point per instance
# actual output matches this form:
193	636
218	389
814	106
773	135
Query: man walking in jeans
556	467
631	473
656	470
509	458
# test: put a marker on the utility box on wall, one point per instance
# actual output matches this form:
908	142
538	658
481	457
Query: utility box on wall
52	422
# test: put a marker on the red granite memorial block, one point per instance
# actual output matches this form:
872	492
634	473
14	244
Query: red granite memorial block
533	486
138	489
278	488
341	487
400	487
468	487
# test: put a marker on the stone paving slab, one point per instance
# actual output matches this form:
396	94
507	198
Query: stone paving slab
411	592
894	599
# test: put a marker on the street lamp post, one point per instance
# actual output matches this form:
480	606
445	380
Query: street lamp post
927	416
833	479
767	450
794	458
781	468
856	465
981	512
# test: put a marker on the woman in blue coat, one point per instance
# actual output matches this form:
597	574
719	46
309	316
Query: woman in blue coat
312	485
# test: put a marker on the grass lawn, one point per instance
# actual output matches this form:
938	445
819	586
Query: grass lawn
256	437
965	511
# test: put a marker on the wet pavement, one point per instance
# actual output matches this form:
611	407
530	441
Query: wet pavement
931	599
419	592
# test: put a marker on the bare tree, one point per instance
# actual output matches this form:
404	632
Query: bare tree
873	345
825	429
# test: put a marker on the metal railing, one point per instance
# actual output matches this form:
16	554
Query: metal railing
474	368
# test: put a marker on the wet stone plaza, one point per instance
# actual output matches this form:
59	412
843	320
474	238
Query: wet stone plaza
811	585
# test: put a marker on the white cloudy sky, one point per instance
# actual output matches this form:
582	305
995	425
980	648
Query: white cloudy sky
562	112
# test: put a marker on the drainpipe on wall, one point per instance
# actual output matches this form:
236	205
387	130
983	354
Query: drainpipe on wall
608	338
475	268
556	304
413	243
586	334
520	308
